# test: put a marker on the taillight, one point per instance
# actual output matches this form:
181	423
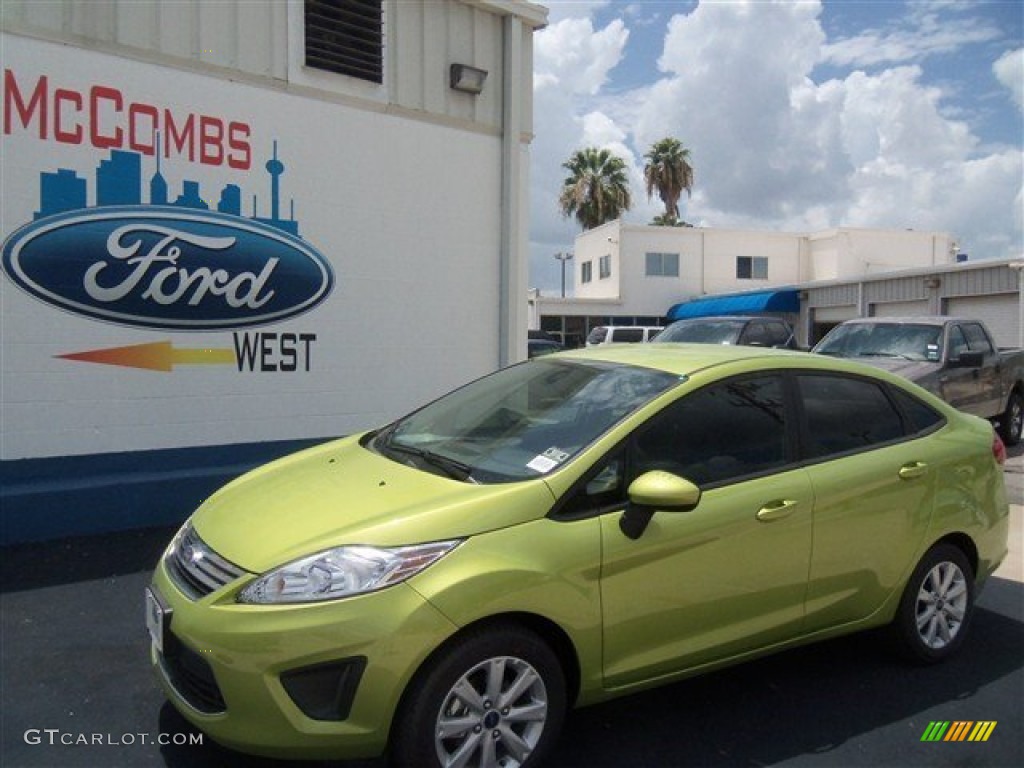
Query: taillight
998	449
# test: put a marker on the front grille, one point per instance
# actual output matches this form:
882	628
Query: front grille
191	677
196	569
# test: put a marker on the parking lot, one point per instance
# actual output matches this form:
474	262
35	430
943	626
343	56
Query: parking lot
77	688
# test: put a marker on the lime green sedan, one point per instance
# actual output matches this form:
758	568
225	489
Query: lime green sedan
564	531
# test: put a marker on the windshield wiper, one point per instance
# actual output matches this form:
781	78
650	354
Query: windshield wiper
454	469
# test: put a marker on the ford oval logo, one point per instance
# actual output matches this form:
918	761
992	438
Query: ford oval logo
164	267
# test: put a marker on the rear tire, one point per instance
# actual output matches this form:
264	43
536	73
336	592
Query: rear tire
497	694
935	610
1011	423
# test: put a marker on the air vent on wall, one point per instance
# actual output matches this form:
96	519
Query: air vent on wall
347	37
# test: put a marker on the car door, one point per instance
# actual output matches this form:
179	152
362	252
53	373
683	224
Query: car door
729	575
988	377
956	384
873	486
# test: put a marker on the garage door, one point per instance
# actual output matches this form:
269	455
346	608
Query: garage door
900	309
834	314
1001	313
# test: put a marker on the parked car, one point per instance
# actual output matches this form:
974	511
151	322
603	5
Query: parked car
539	347
621	334
953	357
564	531
745	331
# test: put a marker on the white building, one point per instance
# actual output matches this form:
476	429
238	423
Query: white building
633	274
227	224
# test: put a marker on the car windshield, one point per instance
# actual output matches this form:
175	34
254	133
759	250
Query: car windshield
897	340
702	331
521	422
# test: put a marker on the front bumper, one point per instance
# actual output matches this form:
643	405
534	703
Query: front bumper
311	681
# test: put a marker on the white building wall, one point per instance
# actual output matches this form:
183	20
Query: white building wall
708	262
401	187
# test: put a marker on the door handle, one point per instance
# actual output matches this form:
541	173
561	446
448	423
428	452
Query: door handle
913	470
776	510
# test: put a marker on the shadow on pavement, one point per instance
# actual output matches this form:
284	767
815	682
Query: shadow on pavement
83	558
808	701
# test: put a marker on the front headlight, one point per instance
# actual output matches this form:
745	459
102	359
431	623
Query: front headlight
343	572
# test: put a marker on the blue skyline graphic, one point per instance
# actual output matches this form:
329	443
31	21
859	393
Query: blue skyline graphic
119	181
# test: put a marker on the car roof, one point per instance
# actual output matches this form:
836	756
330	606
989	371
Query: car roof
686	359
683	358
908	320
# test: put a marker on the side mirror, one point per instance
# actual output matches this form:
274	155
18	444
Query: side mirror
652	492
968	360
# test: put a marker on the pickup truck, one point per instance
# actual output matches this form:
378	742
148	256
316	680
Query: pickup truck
952	357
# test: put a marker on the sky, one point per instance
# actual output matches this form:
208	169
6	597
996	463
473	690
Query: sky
799	115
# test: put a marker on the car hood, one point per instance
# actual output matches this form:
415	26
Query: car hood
913	370
342	493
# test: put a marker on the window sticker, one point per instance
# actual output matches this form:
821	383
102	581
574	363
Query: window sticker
548	460
542	464
556	455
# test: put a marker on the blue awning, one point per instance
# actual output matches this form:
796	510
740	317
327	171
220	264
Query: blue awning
784	300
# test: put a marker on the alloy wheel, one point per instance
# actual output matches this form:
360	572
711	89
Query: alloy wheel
942	603
493	716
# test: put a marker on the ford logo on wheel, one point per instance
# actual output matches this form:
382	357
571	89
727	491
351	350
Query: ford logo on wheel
164	267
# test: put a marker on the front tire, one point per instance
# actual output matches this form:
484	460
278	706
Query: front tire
936	607
495	698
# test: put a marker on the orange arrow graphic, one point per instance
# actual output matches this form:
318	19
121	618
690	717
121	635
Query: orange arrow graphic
153	356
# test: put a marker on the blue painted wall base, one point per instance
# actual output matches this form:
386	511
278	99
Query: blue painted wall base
52	498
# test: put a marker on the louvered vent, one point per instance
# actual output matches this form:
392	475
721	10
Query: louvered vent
347	37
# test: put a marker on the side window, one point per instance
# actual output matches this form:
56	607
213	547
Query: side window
846	414
977	339
723	432
957	342
603	489
920	417
755	335
778	335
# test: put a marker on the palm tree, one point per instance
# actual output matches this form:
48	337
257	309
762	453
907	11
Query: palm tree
668	170
596	189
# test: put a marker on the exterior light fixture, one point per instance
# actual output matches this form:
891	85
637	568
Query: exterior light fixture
462	77
932	282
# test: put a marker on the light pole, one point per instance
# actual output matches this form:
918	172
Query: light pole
563	257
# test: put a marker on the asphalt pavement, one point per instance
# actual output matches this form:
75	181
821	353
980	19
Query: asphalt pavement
77	689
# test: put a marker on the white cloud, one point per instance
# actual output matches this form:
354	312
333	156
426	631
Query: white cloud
773	149
575	56
929	28
1009	70
572	61
567	9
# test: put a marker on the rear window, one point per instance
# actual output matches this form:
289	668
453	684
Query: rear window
629	335
703	331
920	417
845	414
